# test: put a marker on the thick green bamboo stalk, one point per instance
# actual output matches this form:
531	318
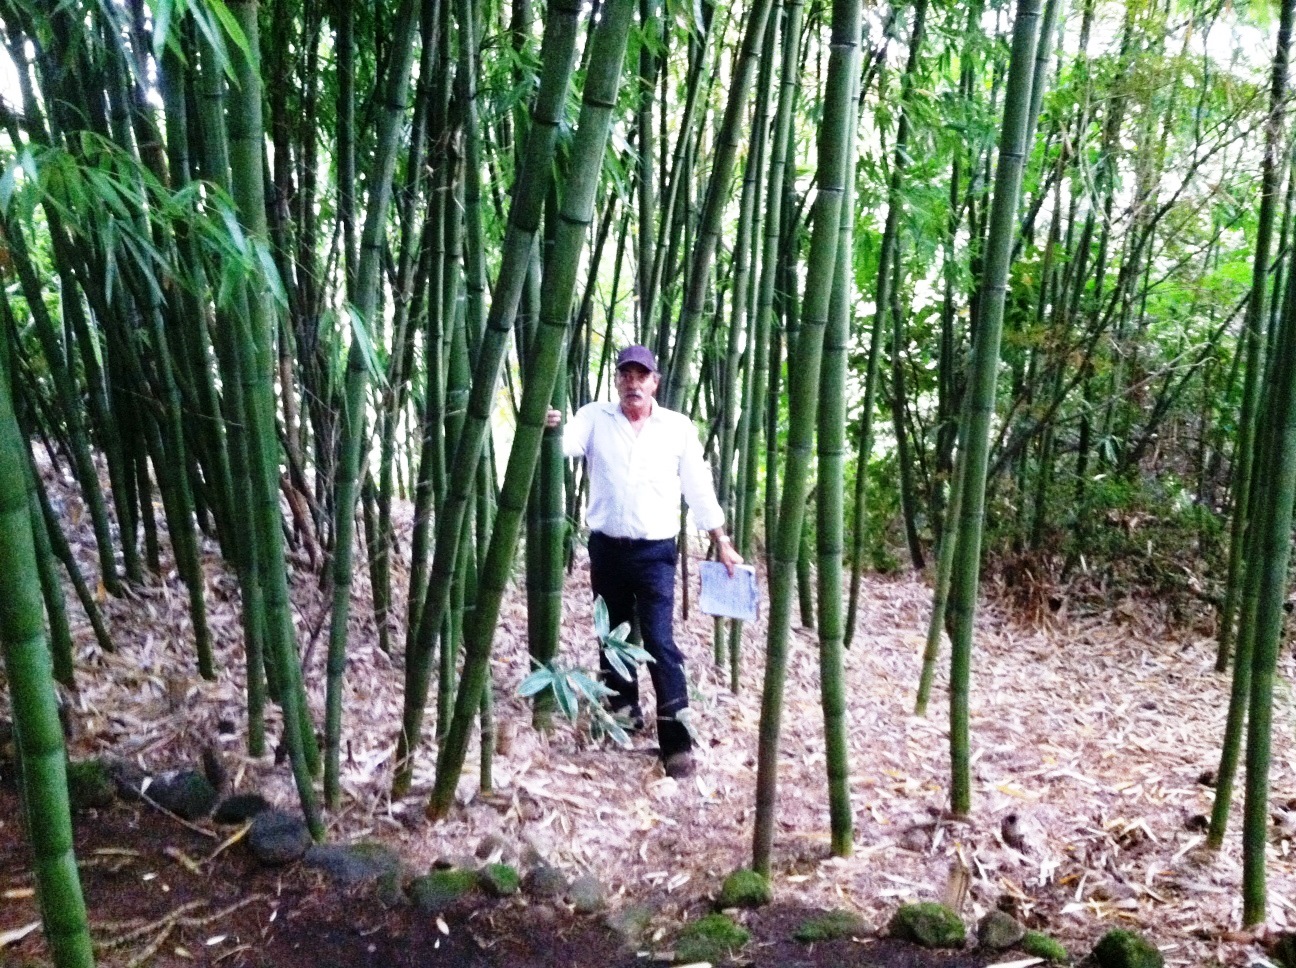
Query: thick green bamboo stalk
252	342
35	707
557	55
602	79
981	387
806	362
679	376
1273	524
1253	336
352	437
831	513
210	91
755	359
1242	538
769	267
729	373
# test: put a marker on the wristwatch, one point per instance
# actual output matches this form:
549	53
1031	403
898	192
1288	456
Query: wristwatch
724	539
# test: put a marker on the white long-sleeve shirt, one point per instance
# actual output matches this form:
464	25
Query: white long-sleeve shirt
636	480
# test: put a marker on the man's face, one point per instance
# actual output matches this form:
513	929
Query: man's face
636	385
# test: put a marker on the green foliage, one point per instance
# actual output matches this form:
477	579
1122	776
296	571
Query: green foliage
928	924
575	688
1126	949
832	925
501	880
712	938
1040	945
745	888
438	890
89	785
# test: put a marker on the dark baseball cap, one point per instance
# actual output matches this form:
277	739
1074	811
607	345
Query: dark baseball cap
640	355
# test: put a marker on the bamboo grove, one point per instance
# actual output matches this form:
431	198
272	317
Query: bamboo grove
945	285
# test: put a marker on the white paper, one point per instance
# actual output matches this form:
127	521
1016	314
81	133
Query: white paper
726	597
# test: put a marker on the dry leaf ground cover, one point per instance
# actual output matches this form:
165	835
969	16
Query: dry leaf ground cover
1093	732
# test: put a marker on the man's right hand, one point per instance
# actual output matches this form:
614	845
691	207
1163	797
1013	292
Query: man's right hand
553	418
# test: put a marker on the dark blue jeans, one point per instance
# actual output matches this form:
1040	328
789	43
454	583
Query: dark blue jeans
636	579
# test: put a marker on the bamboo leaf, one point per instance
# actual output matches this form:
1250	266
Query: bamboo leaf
617	663
601	620
538	681
565	698
360	333
589	687
269	272
161	11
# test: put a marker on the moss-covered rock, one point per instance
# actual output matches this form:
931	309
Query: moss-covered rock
631	923
439	889
832	925
1126	949
587	894
999	931
352	864
90	785
712	938
1039	945
744	889
500	880
928	924
186	793
546	881
277	838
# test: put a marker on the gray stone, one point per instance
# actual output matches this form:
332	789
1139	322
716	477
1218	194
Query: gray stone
186	793
351	864
546	881
999	931
587	894
278	838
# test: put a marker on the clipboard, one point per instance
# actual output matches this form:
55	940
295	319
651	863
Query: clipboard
725	597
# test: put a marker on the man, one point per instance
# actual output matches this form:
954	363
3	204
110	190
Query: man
640	458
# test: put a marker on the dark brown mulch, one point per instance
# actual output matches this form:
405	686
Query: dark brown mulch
142	871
